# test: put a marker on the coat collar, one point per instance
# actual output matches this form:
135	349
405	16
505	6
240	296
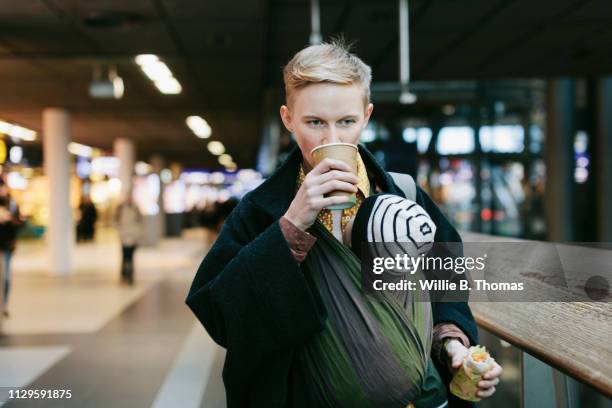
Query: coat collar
275	194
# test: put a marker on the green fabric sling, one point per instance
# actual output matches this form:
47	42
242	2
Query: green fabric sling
374	350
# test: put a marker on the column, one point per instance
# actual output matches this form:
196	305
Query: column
59	234
559	157
603	165
124	151
267	156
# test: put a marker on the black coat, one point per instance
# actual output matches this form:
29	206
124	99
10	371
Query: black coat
254	300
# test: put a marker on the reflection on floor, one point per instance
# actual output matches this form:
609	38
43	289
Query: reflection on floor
21	365
111	345
90	296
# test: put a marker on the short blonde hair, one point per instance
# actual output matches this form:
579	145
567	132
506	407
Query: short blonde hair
327	62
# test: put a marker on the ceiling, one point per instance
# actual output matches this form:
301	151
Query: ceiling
227	54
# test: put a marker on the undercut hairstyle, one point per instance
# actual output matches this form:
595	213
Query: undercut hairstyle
330	62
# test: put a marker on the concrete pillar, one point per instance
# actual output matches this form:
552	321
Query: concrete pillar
603	164
59	234
125	152
267	156
559	157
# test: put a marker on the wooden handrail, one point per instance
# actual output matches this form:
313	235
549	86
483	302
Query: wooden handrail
574	337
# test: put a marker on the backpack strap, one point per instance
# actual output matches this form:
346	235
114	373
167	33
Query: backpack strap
406	183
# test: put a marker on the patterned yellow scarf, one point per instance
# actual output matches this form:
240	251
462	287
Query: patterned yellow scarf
363	186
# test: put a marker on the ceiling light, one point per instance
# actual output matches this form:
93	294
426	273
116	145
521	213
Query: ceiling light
110	86
168	86
23	133
216	147
407	98
144	59
80	149
225	159
158	72
17	131
199	126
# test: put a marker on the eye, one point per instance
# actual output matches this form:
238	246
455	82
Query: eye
315	122
347	122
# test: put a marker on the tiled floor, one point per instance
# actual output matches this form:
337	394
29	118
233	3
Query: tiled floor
111	345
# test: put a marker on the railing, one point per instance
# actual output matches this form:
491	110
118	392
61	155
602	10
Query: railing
572	337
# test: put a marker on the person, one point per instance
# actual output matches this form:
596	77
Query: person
87	221
10	221
128	220
259	292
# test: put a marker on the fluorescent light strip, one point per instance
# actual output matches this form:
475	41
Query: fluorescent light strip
17	131
145	59
225	159
199	126
215	147
158	72
80	149
169	86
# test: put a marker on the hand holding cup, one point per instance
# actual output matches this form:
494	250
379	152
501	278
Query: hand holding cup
329	175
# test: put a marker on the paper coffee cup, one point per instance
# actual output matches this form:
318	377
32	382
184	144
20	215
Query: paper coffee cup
345	152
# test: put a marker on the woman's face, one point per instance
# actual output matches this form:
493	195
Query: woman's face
326	113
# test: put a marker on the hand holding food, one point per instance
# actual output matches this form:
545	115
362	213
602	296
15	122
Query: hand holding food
477	375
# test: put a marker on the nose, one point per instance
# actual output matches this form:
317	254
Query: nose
332	135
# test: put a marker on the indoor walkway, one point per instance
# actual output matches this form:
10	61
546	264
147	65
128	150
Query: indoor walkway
110	344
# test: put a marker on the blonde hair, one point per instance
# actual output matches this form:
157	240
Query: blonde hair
327	62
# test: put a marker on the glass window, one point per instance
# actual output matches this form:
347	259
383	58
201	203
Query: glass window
455	140
422	137
502	138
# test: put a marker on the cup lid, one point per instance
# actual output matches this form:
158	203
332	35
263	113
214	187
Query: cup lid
334	144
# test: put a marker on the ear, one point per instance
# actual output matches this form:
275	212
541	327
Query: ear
285	115
368	113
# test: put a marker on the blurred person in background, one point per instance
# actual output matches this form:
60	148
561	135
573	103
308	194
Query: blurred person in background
85	230
10	222
128	221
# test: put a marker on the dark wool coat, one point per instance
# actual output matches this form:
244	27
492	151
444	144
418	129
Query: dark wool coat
254	299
